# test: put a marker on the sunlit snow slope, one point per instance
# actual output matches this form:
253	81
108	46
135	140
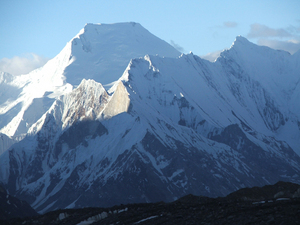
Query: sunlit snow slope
99	51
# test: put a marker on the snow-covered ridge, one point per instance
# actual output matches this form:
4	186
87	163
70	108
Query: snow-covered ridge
45	82
86	102
274	69
99	51
102	51
223	92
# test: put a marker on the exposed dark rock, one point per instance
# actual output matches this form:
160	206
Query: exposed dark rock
268	192
11	207
237	208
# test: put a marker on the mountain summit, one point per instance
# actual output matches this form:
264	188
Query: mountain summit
99	51
102	51
167	127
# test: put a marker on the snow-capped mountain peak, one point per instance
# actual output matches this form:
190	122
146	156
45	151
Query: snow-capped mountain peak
273	69
99	51
97	46
168	126
240	41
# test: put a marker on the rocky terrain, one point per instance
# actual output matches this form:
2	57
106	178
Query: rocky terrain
271	204
11	207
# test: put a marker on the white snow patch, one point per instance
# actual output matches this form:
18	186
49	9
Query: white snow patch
261	202
149	218
176	173
93	219
283	199
62	216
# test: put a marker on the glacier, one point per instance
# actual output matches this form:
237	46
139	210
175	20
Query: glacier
159	125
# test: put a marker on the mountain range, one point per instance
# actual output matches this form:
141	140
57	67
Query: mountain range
119	116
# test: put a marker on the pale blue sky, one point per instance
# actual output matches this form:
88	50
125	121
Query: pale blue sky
44	27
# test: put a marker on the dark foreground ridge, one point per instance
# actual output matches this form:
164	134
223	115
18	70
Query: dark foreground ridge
271	204
11	207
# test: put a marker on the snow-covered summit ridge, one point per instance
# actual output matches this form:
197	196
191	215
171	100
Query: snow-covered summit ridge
99	51
242	45
86	102
102	51
273	69
5	77
226	90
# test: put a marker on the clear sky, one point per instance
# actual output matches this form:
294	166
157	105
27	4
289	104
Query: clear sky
33	31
